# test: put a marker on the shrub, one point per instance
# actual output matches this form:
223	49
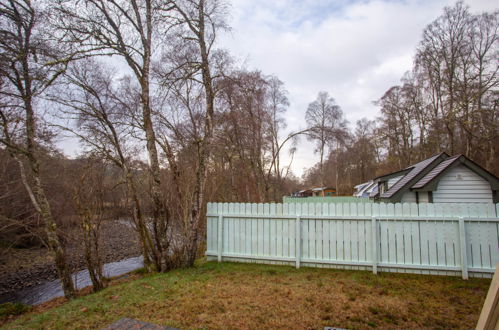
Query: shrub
9	309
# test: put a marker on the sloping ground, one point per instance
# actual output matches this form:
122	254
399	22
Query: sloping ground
230	295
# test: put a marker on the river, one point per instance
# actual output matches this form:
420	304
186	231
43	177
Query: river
49	290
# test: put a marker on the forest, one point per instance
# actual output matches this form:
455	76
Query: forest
167	121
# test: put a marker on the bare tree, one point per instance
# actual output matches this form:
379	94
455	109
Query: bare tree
484	37
443	58
327	127
98	109
89	197
129	29
249	133
31	66
196	25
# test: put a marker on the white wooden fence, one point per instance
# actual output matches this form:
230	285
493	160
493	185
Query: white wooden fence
445	239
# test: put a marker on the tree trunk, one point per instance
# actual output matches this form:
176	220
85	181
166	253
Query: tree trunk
160	211
43	206
138	219
92	255
204	150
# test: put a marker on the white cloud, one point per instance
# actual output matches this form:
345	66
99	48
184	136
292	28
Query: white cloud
354	50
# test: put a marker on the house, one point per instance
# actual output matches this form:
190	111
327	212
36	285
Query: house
364	189
324	191
438	179
315	192
302	193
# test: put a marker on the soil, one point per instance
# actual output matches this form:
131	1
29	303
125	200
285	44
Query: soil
23	268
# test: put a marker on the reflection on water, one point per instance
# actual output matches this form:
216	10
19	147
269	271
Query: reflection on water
49	290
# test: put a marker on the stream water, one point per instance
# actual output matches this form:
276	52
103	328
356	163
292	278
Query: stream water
53	289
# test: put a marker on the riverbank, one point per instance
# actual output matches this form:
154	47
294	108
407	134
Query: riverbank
24	268
230	295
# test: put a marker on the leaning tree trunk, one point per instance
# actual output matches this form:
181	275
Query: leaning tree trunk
53	241
43	206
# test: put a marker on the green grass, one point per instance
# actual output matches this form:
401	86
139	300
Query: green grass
231	295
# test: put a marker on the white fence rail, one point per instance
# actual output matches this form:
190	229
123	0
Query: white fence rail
445	239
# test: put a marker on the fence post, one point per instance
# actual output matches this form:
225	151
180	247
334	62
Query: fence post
298	241
374	239
489	317
220	236
462	243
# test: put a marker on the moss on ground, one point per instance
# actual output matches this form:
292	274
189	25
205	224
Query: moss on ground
237	295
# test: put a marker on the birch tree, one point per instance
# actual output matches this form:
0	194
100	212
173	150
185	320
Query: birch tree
194	57
31	64
130	30
97	115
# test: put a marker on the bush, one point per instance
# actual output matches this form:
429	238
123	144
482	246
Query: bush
10	309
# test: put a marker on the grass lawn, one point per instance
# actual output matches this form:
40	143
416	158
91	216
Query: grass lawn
230	295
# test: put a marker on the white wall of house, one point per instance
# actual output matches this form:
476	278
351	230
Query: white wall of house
423	197
460	184
409	197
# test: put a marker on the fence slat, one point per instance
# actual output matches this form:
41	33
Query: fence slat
462	243
298	241
220	233
374	246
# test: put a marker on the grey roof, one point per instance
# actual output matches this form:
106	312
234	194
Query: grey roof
371	187
360	188
436	171
374	191
362	185
367	190
415	170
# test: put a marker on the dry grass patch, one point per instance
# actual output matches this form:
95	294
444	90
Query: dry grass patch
230	295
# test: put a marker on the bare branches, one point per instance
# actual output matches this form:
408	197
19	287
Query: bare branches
27	78
326	126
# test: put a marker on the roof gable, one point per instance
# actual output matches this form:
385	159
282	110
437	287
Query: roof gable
430	181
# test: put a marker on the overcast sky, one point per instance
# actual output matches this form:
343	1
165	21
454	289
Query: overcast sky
355	50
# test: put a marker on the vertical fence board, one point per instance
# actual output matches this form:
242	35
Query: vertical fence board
341	240
292	230
284	241
225	233
247	229
254	229
266	229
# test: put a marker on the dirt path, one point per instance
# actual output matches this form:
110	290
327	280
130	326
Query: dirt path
22	268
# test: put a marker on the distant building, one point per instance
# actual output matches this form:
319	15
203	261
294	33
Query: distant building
324	191
364	189
315	192
302	193
438	179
